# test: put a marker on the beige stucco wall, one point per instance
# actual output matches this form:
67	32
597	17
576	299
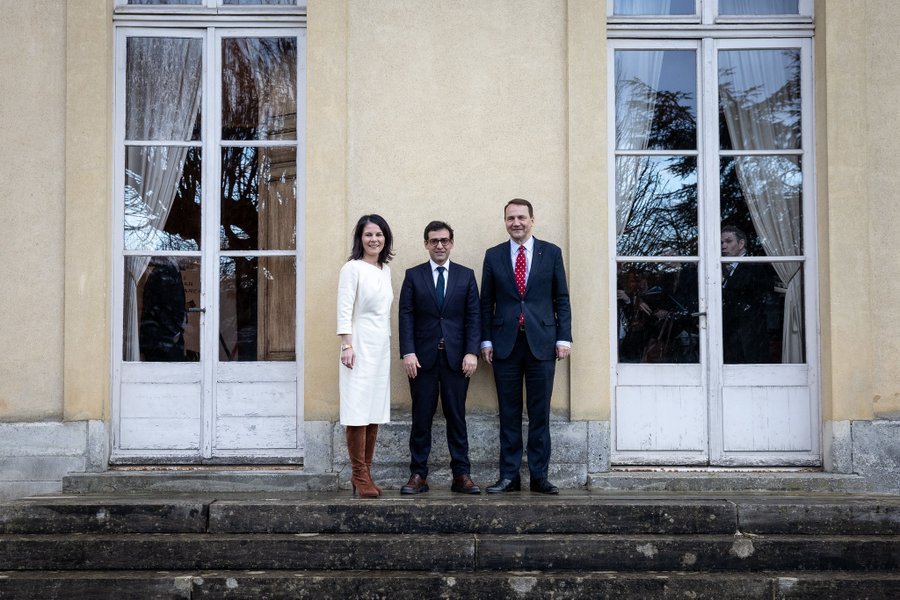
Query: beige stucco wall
32	205
420	114
862	320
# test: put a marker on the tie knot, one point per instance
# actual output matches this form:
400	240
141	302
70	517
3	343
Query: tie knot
440	270
521	249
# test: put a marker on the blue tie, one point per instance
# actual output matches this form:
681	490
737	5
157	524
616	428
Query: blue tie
439	289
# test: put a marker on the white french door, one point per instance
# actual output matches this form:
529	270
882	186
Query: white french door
713	260
208	276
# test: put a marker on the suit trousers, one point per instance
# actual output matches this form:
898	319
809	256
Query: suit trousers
509	374
451	385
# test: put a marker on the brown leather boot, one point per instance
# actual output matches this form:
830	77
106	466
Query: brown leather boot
356	448
371	437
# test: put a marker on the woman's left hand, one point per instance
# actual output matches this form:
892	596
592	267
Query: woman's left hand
348	357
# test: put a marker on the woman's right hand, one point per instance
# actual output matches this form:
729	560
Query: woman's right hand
348	357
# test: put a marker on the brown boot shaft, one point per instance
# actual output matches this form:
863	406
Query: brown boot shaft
371	438
356	448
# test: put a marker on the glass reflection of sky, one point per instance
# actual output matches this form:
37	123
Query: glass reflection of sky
654	7
759	7
657	204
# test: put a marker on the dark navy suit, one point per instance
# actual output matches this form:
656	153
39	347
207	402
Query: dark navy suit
527	355
423	325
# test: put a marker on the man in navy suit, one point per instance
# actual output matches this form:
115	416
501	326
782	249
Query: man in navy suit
526	325
439	335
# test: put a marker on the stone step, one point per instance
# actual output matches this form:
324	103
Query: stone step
726	481
198	481
444	552
443	512
405	585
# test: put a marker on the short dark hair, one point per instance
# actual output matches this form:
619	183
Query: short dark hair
738	233
387	252
520	202
437	226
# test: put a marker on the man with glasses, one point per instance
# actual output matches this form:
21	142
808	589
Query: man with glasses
439	339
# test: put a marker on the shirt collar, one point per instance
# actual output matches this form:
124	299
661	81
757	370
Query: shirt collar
529	245
434	265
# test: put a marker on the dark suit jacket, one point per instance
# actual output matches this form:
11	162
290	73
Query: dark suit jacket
423	324
743	312
548	317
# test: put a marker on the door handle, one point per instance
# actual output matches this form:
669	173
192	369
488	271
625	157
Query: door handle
196	309
699	314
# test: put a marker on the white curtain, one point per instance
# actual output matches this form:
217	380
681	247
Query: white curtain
758	7
162	103
643	7
755	105
637	86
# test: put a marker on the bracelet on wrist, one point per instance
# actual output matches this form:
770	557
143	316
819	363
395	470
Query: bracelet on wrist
346	347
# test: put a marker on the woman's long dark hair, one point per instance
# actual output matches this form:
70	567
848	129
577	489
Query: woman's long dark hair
387	253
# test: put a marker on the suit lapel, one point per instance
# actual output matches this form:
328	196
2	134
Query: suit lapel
537	258
428	282
505	251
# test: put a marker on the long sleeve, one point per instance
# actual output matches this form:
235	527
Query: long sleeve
346	298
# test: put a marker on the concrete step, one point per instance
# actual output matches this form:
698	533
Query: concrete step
444	512
726	481
449	552
198	481
405	585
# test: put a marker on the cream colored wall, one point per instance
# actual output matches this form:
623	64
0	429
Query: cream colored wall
32	205
451	112
862	330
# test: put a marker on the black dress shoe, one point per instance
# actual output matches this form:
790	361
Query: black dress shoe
543	486
415	485
505	485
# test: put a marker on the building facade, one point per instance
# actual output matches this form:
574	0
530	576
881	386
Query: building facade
218	153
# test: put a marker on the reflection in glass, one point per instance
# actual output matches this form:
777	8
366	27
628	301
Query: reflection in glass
259	198
159	291
762	312
195	2
249	2
259	88
653	7
656	93
759	7
656	205
162	88
256	308
162	198
759	99
762	196
655	305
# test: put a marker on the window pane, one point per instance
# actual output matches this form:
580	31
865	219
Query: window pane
163	88
654	7
196	2
249	2
256	308
759	7
656	205
259	88
656	302
656	93
761	196
762	312
158	293
162	198
259	198
759	99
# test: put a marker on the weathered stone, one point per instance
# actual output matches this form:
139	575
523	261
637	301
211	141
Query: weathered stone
820	516
62	585
876	453
104	516
198	481
567	513
668	481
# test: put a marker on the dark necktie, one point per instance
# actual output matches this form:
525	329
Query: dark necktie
439	288
520	277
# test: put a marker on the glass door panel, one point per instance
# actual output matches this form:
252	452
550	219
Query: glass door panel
653	7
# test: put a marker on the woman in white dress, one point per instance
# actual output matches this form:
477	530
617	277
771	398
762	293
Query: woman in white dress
364	324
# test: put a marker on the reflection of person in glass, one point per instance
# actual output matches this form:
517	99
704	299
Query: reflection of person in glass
163	313
744	290
364	324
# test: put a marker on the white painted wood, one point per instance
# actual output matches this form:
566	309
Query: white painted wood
243	433
160	434
256	399
151	400
766	418
658	418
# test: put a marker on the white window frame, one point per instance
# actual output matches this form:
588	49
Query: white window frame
210	29
707	13
708	37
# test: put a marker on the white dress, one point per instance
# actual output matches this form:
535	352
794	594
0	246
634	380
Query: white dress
364	310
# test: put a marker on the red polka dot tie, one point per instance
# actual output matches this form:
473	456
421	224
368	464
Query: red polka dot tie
520	277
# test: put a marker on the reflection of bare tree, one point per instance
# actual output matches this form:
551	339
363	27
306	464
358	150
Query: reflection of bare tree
662	212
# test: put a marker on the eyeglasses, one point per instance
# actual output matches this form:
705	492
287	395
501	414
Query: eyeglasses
435	242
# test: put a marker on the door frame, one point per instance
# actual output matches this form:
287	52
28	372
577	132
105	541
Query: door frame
205	373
